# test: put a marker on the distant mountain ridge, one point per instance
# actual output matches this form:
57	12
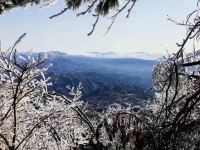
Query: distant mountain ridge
125	66
104	80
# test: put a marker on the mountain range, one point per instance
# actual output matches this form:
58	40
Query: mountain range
104	80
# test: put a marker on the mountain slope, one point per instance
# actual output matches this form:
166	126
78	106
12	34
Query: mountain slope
98	90
104	80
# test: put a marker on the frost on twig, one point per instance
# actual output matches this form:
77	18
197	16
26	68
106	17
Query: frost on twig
30	116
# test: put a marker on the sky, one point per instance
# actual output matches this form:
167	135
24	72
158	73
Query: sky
145	34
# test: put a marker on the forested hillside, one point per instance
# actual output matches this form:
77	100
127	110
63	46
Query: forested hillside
104	80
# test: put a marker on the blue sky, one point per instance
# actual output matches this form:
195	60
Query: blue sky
146	32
